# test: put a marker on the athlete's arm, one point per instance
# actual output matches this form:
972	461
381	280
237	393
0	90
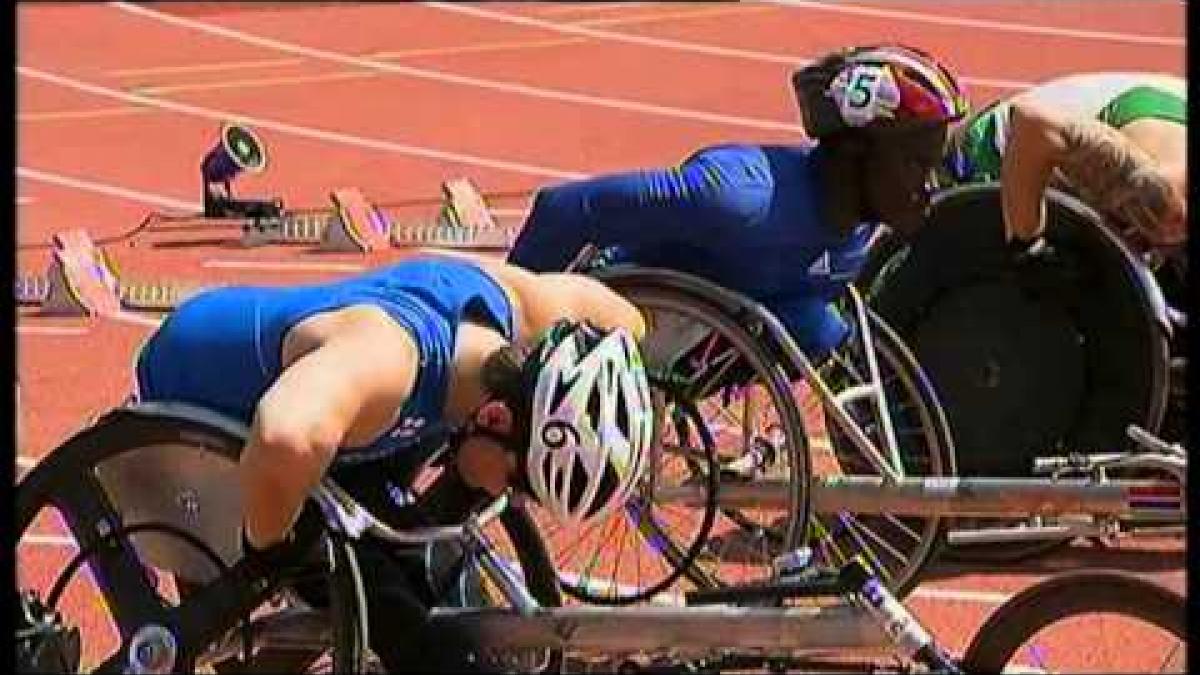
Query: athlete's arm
586	299
635	209
813	322
1109	172
342	392
543	299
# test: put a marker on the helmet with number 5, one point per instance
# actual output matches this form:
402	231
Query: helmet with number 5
886	87
590	420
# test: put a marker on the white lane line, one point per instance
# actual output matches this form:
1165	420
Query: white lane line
962	595
137	319
282	265
388	55
573	8
599	33
74	331
104	188
450	78
666	43
476	48
92	113
254	82
509	213
58	331
48	540
223	66
738	8
220	66
986	24
338	76
297	130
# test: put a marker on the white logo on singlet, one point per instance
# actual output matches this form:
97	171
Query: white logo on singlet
408	427
821	266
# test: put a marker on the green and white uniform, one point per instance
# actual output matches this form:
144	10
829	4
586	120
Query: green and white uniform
977	147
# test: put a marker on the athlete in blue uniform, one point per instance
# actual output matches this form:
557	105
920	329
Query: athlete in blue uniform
785	225
375	365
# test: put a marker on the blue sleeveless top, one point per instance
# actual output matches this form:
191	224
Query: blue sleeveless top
222	348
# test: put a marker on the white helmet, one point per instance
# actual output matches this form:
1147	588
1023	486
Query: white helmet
591	420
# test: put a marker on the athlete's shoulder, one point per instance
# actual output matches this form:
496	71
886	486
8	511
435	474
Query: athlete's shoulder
763	165
729	150
755	153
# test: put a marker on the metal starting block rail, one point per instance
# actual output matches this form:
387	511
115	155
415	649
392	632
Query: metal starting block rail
147	296
356	225
82	281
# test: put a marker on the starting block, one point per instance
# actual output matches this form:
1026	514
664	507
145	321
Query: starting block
300	227
358	226
464	206
79	282
157	296
82	281
465	221
453	236
355	225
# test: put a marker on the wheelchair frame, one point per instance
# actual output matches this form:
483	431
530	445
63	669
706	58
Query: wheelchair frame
876	621
883	456
1096	496
869	620
761	323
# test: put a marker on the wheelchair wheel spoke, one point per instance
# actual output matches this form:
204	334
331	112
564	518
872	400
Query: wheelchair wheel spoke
827	541
857	525
878	566
903	527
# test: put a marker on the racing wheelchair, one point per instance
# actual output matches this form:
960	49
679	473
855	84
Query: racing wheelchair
899	518
772	419
1043	366
146	494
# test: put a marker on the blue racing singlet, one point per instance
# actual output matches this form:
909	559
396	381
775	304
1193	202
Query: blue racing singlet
222	349
747	217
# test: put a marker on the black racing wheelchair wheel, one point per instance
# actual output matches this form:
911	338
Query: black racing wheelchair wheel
639	551
1028	361
696	353
149	497
1087	621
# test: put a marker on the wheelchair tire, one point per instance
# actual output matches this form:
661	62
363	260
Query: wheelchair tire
1070	596
87	481
985	342
701	558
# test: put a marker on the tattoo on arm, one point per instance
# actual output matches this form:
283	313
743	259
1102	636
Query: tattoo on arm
1114	176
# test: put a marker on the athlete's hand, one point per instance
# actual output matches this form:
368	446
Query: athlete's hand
1043	272
288	555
